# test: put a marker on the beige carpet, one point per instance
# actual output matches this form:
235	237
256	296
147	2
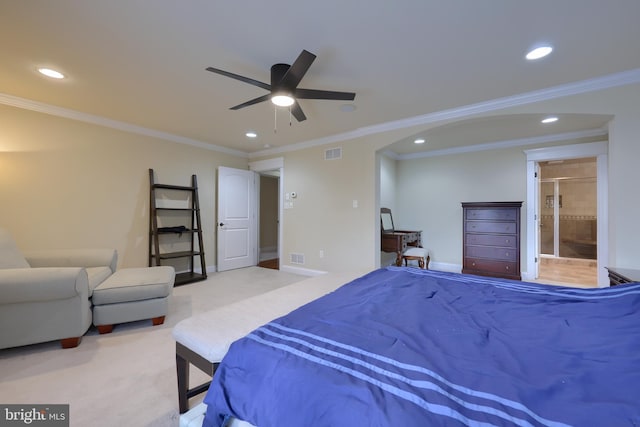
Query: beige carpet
126	378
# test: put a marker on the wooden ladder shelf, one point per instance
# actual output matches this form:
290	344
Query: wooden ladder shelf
181	225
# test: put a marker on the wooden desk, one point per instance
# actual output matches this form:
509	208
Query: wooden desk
618	276
397	241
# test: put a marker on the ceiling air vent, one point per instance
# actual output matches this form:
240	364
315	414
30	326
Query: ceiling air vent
333	154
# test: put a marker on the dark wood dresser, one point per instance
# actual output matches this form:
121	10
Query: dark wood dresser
491	239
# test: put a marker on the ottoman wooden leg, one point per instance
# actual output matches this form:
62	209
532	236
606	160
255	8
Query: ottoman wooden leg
158	320
105	329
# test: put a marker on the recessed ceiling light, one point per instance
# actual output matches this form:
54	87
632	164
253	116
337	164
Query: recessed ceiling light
550	119
539	52
419	141
51	73
251	134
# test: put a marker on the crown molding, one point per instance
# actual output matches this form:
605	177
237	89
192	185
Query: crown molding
584	86
53	110
504	144
575	88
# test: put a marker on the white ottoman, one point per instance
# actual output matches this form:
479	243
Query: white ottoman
132	294
417	254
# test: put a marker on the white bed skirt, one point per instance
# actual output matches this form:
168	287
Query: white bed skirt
195	417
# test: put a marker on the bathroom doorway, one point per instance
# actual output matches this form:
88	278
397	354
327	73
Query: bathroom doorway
568	207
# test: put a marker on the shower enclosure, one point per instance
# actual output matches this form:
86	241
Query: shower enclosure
568	209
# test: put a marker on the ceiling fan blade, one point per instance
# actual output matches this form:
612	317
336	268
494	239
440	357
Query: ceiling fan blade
252	102
297	112
241	78
323	94
297	70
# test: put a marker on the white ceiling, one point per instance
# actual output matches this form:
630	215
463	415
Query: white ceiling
143	62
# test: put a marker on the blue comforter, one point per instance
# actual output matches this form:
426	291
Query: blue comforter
408	347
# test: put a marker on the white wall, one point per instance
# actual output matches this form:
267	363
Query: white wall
431	190
323	216
69	184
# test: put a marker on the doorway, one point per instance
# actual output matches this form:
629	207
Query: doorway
596	150
269	220
567	209
270	169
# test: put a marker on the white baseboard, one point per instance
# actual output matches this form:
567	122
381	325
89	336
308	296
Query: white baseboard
302	271
444	266
457	268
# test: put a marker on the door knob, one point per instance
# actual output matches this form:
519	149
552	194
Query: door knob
222	224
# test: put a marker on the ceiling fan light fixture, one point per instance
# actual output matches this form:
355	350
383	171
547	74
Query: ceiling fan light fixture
282	100
419	141
549	119
283	89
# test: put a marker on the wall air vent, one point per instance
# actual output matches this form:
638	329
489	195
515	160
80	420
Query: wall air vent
333	153
296	258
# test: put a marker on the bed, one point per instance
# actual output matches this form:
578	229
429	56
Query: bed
408	347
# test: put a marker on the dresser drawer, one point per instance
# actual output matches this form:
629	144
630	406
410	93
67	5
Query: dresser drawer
492	214
490	252
504	268
491	240
491	227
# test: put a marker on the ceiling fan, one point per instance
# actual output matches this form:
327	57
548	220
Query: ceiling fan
284	91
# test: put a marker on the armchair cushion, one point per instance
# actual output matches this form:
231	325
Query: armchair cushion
29	285
72	258
10	256
99	263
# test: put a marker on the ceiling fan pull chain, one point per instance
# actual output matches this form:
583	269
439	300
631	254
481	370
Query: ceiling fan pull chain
289	115
275	120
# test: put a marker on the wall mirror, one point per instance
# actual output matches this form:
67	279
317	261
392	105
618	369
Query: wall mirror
386	220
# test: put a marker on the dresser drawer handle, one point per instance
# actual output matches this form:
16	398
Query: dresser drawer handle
506	254
507	241
473	264
507	267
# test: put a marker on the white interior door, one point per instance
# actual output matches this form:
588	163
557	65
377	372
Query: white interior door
237	218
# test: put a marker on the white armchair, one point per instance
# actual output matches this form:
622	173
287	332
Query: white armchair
45	295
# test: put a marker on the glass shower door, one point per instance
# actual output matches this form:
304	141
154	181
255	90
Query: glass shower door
547	218
577	230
